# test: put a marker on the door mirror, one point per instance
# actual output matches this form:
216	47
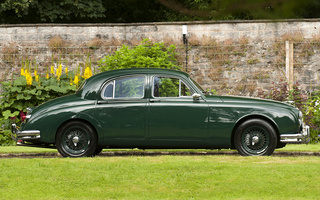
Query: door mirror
196	97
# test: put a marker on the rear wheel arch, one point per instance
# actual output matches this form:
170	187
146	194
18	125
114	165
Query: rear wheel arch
272	123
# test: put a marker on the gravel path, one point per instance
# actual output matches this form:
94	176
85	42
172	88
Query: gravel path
156	153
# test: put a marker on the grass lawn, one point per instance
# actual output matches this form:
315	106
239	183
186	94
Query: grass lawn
161	177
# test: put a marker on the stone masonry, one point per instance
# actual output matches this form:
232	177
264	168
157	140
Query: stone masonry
244	68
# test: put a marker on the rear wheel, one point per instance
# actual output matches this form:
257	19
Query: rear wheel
76	139
255	137
97	151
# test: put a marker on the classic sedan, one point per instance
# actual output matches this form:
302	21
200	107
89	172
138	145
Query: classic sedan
158	109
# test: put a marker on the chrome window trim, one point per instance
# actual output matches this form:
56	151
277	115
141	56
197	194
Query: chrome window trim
180	81
114	83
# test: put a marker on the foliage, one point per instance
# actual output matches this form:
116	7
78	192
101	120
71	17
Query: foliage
80	11
37	11
29	90
5	133
145	55
237	9
309	105
124	11
278	92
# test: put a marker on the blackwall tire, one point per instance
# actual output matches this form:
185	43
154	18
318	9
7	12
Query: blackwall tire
255	137
76	139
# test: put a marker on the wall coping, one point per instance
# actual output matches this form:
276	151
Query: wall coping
161	23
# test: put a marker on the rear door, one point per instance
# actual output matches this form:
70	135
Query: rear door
122	111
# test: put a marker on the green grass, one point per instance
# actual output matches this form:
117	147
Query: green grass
161	177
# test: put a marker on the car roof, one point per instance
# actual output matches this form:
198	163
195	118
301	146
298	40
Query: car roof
129	71
94	83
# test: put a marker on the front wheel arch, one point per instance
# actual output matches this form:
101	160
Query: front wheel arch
272	123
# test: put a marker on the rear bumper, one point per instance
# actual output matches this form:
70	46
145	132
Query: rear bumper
302	137
24	135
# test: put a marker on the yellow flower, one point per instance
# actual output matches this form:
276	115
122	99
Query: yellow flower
76	80
22	72
59	72
47	76
36	76
66	71
87	73
52	69
28	77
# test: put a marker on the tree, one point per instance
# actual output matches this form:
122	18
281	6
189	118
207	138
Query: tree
80	11
244	9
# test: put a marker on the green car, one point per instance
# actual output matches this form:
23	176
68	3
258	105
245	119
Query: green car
158	109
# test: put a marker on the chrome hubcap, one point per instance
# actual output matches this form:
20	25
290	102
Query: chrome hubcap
75	140
255	140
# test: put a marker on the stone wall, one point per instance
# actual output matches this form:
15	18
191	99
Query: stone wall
255	30
249	56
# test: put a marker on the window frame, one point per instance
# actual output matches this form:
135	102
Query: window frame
113	81
172	77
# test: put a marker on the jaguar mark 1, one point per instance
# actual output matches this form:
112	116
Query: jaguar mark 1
158	109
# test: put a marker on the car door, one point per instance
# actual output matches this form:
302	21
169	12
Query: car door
175	119
122	111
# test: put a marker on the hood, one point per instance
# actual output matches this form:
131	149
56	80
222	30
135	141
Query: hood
248	100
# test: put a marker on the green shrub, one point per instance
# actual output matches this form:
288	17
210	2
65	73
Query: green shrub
308	104
145	55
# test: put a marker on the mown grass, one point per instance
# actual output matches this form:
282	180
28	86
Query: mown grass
161	177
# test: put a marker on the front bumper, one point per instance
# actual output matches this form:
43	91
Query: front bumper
24	135
302	137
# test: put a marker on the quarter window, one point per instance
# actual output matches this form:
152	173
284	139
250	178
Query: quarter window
169	87
129	87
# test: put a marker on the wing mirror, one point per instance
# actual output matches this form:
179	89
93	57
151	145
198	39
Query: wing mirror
196	97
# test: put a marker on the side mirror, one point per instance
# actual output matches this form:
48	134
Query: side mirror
196	97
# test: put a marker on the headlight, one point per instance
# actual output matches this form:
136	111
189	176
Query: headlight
300	115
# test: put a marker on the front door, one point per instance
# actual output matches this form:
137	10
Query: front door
175	119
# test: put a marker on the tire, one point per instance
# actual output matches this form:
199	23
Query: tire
76	139
255	137
97	151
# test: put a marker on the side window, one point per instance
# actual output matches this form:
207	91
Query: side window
169	87
130	87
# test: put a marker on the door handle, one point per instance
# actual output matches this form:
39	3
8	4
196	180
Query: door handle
154	100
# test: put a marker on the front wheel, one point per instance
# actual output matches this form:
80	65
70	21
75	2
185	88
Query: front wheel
76	139
255	137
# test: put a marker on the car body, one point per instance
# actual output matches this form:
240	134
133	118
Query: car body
158	109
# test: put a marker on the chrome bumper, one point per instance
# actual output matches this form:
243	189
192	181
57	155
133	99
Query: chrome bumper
24	135
302	137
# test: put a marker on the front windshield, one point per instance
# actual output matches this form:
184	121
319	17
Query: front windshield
198	86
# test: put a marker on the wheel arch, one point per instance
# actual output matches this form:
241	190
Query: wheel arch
246	118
